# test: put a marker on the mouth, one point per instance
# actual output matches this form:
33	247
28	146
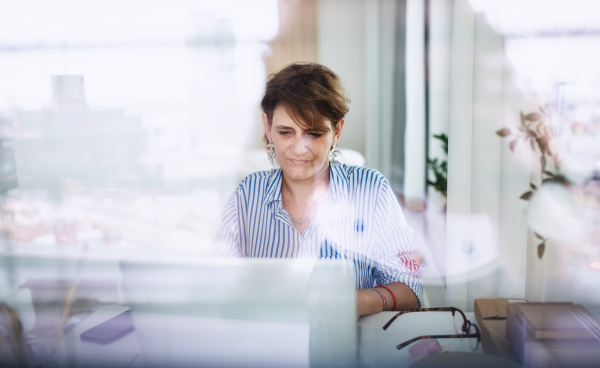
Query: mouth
299	162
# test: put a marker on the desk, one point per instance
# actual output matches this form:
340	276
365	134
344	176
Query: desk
74	352
250	343
376	348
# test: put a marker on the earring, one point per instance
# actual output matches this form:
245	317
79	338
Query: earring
271	153
333	153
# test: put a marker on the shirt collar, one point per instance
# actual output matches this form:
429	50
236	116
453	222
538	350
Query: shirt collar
273	187
338	182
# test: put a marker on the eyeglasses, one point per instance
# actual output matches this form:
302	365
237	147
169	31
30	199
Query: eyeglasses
468	329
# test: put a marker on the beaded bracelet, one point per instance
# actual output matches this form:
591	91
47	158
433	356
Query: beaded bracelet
382	297
390	291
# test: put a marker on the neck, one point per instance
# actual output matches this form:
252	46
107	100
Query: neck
301	198
304	192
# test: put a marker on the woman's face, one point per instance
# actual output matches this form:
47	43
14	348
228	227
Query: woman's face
303	155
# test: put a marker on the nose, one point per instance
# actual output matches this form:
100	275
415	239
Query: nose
299	145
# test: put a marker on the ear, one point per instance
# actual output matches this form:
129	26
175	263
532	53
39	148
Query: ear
266	125
338	130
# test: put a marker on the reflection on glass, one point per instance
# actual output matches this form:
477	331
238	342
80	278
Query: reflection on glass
129	147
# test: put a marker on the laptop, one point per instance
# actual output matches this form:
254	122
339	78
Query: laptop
243	312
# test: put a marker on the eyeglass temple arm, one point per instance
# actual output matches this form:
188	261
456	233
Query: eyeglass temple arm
477	334
385	327
424	337
446	309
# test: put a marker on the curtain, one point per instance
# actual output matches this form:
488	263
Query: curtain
399	112
297	36
486	251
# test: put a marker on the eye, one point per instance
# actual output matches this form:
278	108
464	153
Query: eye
315	134
285	132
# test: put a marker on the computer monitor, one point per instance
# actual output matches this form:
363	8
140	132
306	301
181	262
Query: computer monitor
243	312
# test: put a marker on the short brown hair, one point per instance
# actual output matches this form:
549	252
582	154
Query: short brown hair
311	94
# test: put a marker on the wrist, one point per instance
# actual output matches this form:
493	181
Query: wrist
383	300
392	295
367	302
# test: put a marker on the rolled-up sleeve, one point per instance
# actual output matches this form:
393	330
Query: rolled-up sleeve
394	252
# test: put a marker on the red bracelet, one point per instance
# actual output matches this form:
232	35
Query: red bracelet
390	291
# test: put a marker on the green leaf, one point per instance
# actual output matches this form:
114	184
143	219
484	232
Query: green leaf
548	173
533	187
504	132
442	137
525	196
541	249
539	236
534	116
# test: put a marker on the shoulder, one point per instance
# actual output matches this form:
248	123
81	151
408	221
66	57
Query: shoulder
258	176
360	176
259	181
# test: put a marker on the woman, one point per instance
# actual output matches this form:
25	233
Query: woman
312	206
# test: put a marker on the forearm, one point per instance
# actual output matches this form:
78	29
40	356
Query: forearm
368	301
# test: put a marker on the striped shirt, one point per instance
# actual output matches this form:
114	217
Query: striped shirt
358	219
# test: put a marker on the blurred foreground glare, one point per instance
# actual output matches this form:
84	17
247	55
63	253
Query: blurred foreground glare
125	126
552	49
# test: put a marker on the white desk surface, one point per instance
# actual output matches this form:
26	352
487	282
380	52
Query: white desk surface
124	352
377	348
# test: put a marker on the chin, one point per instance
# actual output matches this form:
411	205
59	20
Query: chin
298	173
302	173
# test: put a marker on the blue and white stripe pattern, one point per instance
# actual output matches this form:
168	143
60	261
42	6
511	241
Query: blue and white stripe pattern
358	219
